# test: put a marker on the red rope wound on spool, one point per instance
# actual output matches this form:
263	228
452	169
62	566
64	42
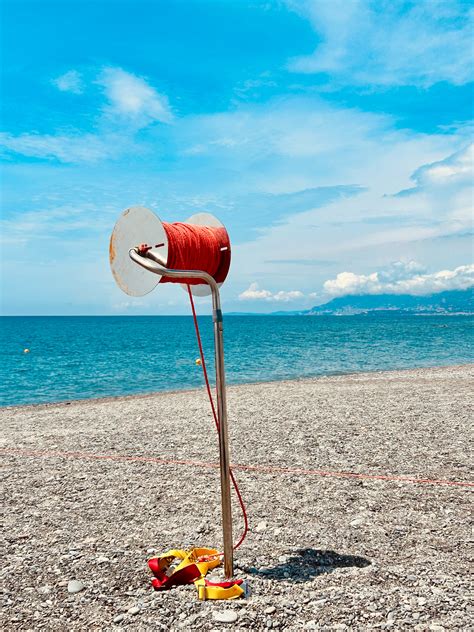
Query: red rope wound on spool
193	247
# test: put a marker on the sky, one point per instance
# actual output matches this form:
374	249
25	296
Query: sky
333	138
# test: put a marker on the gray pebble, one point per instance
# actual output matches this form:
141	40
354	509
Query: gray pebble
225	616
75	586
134	610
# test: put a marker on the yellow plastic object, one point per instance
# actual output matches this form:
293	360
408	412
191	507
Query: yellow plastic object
202	559
206	591
192	557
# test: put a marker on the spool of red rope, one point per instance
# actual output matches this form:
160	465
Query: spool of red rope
199	243
192	247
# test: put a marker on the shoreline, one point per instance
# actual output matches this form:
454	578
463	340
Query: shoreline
229	386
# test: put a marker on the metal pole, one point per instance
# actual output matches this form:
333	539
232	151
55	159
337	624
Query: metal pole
154	264
223	442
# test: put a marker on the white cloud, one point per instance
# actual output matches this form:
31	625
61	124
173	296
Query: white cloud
132	98
253	293
296	128
133	104
455	169
71	81
445	187
285	297
57	223
63	147
401	279
366	42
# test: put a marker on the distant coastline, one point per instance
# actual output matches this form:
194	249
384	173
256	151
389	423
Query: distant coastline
450	303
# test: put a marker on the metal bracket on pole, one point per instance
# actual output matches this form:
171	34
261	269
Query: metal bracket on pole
151	262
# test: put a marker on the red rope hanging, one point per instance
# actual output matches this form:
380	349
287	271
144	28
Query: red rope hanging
193	247
216	422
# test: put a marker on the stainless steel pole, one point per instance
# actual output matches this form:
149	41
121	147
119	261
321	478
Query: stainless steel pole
223	441
155	265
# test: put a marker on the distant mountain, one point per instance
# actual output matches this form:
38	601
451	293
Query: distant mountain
452	302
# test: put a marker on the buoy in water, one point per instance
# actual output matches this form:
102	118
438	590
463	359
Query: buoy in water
26	350
198	361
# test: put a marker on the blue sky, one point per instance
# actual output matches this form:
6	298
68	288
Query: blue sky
332	137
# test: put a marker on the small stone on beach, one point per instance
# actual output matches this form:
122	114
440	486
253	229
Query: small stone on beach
102	559
75	586
134	610
225	616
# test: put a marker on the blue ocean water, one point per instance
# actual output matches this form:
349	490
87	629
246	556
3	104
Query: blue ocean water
84	357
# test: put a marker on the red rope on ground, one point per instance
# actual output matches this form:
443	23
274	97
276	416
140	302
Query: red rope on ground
265	469
216	419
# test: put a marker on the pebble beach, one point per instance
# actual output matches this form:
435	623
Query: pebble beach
358	489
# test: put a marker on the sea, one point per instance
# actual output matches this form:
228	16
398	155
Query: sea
82	357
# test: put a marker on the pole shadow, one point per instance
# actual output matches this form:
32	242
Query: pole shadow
305	564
